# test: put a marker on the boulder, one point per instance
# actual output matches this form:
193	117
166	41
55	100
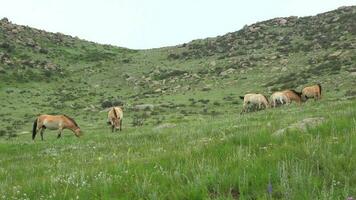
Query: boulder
302	125
253	29
281	21
144	107
335	54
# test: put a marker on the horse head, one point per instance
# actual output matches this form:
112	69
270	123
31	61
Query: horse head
78	132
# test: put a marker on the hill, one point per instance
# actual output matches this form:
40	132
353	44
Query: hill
183	137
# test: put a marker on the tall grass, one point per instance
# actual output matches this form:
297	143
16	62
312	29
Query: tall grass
226	157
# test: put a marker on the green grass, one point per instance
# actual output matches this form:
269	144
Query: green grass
206	158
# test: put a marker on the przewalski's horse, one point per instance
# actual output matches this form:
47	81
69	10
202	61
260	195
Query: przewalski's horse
54	122
293	95
313	91
278	98
115	117
254	99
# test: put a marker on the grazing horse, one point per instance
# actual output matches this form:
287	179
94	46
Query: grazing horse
278	98
54	122
254	99
313	91
293	95
115	116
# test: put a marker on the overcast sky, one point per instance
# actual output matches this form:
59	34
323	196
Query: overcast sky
142	24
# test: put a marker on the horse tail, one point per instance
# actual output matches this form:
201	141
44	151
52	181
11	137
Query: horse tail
34	132
319	88
242	97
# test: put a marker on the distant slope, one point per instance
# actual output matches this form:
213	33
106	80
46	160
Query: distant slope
44	72
26	52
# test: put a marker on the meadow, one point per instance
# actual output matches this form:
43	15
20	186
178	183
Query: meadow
219	157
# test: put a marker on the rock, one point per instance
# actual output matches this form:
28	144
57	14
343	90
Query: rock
206	88
335	54
301	125
353	73
132	79
274	69
144	107
227	72
159	90
4	20
283	62
50	66
273	57
253	29
284	69
196	76
213	63
281	21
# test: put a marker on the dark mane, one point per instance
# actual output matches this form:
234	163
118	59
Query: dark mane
266	98
296	93
114	112
72	120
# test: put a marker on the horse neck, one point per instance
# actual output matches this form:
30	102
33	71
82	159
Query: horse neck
70	125
296	97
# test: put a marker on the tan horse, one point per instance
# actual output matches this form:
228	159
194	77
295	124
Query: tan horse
278	98
293	95
254	99
54	122
313	91
115	117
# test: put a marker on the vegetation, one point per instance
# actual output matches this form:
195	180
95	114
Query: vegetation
183	136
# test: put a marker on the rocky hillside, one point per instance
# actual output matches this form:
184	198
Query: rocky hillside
29	54
44	72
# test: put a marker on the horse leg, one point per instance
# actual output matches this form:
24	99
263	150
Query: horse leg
59	133
42	131
243	108
112	128
120	124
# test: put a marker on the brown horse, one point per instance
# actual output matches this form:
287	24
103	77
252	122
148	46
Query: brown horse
258	100
293	95
54	122
313	91
115	117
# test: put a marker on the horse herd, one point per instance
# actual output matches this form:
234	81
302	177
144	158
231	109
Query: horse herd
260	101
115	114
60	122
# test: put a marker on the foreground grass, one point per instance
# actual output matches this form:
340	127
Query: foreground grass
225	157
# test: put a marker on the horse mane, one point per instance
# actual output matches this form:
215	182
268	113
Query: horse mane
72	120
114	112
265	98
296	93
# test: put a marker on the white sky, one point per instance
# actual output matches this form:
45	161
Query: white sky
142	24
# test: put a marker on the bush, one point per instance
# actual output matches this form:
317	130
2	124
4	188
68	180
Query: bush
107	103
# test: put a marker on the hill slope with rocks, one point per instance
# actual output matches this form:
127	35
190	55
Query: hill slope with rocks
51	72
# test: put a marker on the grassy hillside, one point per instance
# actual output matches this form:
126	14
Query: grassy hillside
190	142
